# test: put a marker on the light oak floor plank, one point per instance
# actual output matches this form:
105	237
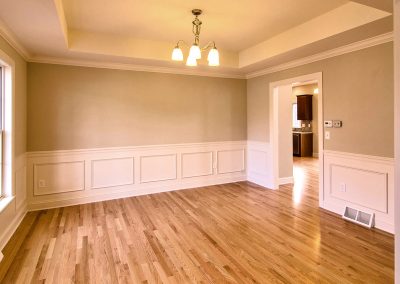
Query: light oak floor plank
232	233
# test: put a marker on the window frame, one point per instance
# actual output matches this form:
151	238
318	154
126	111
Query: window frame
8	114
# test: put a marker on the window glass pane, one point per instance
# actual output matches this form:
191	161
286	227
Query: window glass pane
295	123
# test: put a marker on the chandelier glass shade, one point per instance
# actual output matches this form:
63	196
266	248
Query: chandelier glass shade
195	49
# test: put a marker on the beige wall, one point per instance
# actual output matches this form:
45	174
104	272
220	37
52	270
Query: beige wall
309	89
284	98
357	88
79	107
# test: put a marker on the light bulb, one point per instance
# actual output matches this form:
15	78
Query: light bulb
213	57
177	54
195	51
191	61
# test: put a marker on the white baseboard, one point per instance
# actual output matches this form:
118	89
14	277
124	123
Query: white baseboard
13	224
286	180
115	194
260	180
63	178
315	155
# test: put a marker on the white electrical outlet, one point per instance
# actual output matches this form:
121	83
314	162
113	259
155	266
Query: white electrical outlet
343	187
327	135
42	183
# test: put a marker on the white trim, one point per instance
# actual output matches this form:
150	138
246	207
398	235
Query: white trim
156	147
133	67
396	19
366	43
274	130
56	203
8	232
110	182
371	168
259	163
5	202
9	37
315	155
365	158
286	180
9	120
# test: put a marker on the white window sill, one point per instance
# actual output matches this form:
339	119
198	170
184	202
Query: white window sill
4	202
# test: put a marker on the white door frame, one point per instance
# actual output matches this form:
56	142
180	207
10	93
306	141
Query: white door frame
396	17
274	129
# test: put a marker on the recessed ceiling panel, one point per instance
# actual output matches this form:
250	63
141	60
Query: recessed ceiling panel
235	25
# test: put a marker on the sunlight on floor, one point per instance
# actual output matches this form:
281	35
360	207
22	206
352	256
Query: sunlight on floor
299	183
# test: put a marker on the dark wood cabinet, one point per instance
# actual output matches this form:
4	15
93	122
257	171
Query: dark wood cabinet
304	107
303	144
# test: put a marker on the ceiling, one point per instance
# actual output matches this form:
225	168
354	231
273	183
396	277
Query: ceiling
250	35
236	25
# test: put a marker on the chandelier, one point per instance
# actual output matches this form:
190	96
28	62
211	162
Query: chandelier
195	50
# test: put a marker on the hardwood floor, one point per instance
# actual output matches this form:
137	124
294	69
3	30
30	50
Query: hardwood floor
238	233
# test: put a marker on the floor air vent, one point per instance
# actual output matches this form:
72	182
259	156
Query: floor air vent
358	217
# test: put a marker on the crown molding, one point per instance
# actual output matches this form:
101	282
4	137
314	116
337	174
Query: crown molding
366	43
9	37
132	67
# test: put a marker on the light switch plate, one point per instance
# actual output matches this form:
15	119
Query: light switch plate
328	123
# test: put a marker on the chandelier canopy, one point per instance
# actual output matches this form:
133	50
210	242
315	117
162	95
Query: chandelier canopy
195	50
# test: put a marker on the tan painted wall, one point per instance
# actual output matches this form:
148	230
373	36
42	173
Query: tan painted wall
79	107
357	88
309	89
285	131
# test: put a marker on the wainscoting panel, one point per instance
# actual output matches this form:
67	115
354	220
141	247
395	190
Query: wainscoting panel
359	186
158	168
197	164
231	161
62	178
362	182
112	172
259	164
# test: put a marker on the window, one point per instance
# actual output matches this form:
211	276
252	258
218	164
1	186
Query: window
1	129
7	73
295	123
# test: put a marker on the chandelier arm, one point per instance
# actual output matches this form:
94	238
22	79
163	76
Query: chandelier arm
208	45
183	42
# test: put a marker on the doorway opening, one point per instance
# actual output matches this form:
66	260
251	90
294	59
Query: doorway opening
296	131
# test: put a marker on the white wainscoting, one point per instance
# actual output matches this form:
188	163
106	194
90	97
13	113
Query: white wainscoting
62	178
362	182
13	214
259	164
